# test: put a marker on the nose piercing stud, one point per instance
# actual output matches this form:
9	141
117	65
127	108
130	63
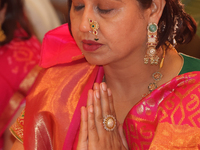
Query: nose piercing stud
94	26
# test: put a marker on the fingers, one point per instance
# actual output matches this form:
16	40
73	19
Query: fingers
104	100
98	112
92	130
110	100
90	98
99	105
83	134
96	86
103	106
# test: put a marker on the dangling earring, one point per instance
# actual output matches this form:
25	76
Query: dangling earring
175	29
2	35
151	53
94	26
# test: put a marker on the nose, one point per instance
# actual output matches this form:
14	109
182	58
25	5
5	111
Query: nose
85	25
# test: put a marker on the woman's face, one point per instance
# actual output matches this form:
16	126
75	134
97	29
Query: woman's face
122	29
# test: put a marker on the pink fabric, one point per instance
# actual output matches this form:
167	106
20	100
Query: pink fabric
56	46
71	139
17	58
167	104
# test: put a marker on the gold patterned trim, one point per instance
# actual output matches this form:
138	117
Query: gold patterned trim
16	136
17	129
29	79
10	109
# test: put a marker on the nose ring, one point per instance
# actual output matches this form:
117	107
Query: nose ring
94	26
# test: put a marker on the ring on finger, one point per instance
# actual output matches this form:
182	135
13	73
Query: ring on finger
109	122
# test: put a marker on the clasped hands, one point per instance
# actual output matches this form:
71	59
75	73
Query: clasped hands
92	135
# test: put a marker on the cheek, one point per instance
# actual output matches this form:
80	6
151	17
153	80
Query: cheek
129	27
74	30
74	24
127	36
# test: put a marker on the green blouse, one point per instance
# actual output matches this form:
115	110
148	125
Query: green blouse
190	64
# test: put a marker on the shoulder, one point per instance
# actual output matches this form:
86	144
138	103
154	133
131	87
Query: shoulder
22	50
18	58
59	76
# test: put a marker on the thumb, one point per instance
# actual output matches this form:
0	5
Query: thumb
123	138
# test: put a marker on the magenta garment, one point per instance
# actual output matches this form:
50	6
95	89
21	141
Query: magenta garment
161	119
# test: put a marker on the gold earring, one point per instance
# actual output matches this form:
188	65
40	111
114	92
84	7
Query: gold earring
151	53
2	35
94	26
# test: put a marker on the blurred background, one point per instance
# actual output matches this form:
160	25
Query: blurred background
45	15
192	7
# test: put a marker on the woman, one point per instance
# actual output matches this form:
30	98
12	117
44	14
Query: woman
117	42
19	55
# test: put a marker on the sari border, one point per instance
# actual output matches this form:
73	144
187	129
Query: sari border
16	136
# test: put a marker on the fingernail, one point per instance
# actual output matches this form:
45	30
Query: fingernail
104	87
94	86
109	92
97	94
90	108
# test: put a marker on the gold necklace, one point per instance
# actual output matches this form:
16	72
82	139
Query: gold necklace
157	76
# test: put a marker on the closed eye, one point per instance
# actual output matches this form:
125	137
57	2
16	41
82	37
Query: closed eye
104	11
77	8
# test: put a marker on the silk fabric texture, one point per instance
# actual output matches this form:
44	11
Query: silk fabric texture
167	118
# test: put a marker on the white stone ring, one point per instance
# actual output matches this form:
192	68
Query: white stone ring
109	122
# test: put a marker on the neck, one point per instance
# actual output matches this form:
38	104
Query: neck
130	79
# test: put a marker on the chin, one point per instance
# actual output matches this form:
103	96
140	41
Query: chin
94	61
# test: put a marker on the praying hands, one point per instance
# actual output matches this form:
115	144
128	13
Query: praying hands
99	128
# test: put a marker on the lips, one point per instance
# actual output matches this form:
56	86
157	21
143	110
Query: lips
89	45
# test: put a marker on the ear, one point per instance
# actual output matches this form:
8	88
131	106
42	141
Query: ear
157	8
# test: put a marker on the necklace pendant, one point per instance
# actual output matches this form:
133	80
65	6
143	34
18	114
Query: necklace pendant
157	76
152	86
